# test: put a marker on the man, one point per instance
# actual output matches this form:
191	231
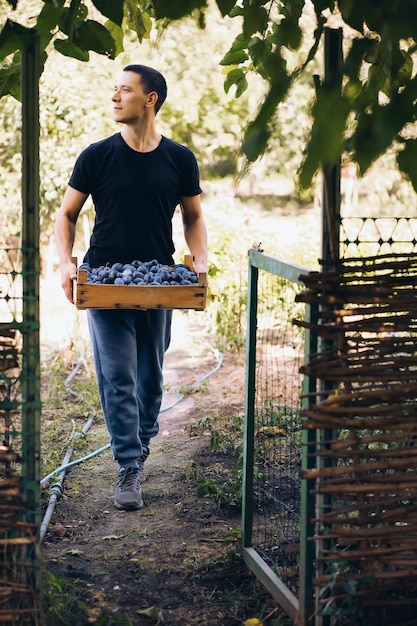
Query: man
136	179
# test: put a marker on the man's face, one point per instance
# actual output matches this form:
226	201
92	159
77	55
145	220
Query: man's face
130	102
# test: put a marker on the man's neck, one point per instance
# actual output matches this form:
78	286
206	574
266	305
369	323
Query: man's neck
141	140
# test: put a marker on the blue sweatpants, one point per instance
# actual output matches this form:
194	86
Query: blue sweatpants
129	347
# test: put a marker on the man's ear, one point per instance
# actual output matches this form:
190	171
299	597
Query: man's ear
152	98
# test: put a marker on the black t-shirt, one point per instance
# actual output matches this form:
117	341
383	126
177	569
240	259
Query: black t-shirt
135	195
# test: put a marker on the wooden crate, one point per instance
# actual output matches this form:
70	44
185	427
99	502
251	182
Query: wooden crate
96	296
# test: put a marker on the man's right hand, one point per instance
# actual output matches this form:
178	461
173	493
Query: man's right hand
65	223
68	275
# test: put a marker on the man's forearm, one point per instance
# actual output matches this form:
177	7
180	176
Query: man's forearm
196	239
64	238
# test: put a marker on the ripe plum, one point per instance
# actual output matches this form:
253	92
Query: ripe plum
140	273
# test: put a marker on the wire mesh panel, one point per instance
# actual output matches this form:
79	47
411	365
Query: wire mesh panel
277	429
20	380
10	348
273	429
18	528
369	236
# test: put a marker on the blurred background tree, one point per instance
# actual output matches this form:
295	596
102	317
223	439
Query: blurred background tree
75	110
240	90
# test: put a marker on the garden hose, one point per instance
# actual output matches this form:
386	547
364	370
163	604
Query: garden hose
56	489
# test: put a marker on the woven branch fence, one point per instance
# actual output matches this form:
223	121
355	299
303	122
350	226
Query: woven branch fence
365	415
18	601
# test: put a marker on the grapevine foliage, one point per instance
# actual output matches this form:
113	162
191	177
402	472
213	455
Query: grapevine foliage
365	111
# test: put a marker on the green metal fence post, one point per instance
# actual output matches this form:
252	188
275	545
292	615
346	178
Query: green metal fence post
307	548
248	442
333	59
30	377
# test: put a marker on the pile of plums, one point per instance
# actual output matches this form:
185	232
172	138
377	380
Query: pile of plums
140	273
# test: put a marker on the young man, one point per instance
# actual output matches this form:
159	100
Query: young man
136	179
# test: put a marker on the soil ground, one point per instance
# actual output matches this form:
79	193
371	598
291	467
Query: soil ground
178	559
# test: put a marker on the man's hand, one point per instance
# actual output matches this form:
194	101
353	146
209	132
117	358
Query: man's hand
68	275
200	267
65	222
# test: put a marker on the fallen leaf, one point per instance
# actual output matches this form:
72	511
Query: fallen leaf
252	621
58	530
154	613
112	537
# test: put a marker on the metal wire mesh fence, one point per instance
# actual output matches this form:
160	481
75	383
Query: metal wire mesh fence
10	350
18	508
274	518
20	378
277	430
369	236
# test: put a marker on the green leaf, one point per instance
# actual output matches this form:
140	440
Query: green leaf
236	11
241	87
240	43
359	50
407	160
113	9
175	9
201	20
138	21
275	67
379	128
48	19
290	34
259	49
401	68
234	77
10	81
326	142
258	132
377	79
255	141
68	21
255	19
225	6
352	13
352	90
234	58
70	49
96	37
13	37
118	35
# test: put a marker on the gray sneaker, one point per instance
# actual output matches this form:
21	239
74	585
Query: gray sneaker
141	462
128	493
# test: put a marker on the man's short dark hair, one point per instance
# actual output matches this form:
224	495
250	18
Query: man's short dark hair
152	80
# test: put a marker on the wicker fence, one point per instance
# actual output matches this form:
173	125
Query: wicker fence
366	425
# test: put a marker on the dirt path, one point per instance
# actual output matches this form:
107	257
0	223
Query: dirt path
178	558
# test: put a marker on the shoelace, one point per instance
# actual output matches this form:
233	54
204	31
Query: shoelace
127	480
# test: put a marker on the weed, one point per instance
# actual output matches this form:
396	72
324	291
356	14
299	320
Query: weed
66	407
188	389
226	438
225	432
113	618
61	607
233	537
345	610
274	415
